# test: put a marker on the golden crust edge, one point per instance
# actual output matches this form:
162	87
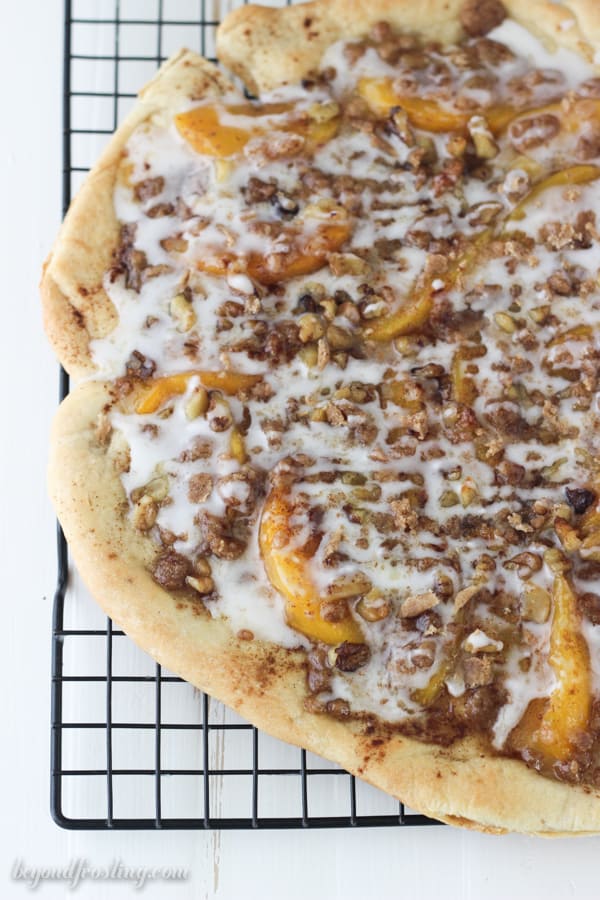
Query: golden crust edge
263	682
271	46
75	306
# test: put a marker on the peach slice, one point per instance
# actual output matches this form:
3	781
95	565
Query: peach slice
551	727
303	259
288	570
577	333
427	695
427	115
413	314
307	254
203	129
161	389
581	174
409	318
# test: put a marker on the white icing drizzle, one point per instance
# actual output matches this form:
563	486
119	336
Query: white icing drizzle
525	45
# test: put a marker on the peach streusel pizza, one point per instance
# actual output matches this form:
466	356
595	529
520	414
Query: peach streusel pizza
333	453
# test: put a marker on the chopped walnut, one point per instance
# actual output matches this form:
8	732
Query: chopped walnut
240	489
201	448
348	586
418	603
323	353
478	671
463	596
350	657
318	670
171	570
219	537
533	131
200	487
480	16
139	366
338	708
203	584
144	513
150	187
405	517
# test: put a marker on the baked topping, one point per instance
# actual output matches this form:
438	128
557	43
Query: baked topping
360	408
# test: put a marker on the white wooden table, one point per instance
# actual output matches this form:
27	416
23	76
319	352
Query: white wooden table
382	863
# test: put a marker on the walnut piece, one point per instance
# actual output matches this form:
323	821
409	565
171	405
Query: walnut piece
350	657
478	671
463	597
418	603
533	131
199	487
171	570
478	17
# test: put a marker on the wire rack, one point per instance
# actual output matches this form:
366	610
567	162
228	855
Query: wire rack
133	746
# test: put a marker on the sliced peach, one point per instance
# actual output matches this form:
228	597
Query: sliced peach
413	314
577	333
408	319
581	174
161	389
304	258
550	728
255	111
306	255
316	132
427	115
201	128
288	570
571	116
499	117
427	695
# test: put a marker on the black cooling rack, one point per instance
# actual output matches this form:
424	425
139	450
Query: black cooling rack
133	746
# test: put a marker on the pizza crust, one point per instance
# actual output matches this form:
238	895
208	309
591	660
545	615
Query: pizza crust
264	683
262	45
75	305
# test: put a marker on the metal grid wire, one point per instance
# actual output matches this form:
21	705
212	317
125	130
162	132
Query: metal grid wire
133	746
